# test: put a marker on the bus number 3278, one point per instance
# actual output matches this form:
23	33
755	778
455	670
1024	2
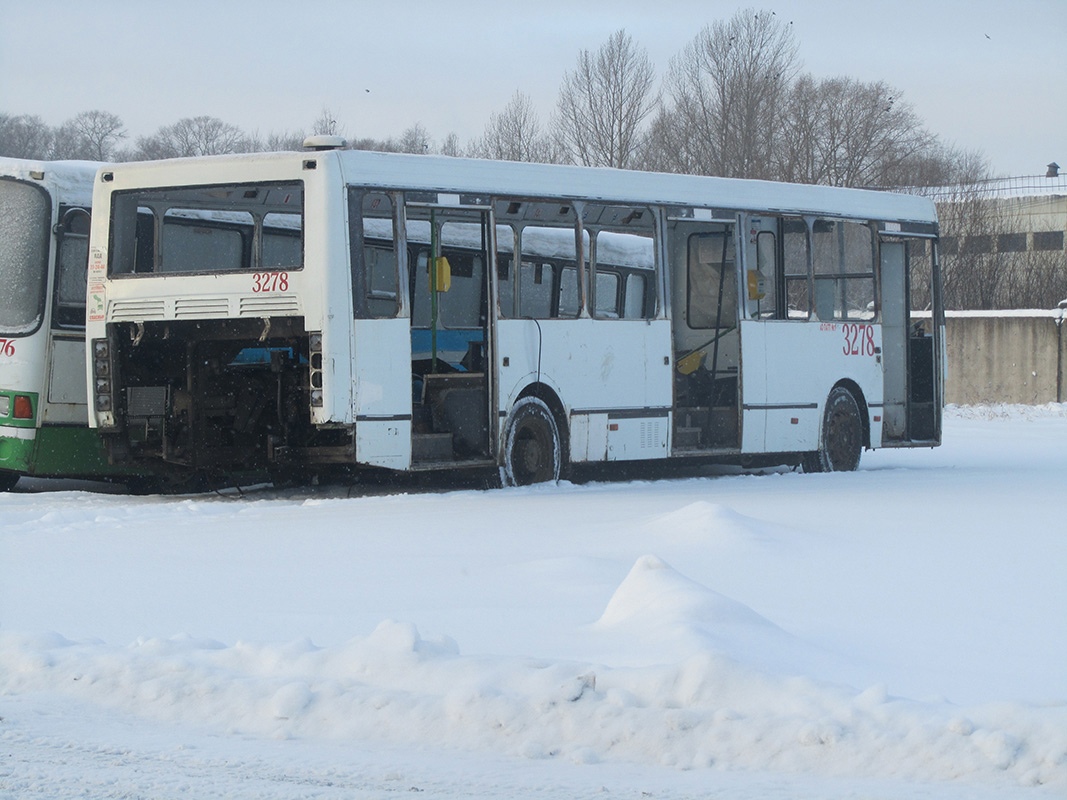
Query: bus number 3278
270	282
859	340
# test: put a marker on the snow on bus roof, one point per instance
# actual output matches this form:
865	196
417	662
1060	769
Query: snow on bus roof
73	180
442	173
524	179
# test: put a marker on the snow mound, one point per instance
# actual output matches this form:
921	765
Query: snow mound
711	525
655	595
395	687
682	618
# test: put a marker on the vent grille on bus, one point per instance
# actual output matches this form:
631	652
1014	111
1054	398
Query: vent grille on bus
264	306
136	310
190	307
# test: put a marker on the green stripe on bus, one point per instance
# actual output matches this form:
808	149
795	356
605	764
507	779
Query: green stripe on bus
58	452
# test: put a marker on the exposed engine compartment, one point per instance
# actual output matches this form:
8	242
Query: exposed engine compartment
216	395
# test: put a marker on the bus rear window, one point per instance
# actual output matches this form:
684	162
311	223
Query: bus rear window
207	229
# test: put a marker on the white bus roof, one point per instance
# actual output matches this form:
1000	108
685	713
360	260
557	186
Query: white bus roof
73	180
522	179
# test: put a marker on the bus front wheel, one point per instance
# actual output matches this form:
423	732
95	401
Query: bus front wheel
533	452
841	438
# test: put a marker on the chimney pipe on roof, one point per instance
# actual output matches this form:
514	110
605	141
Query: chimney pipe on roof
1053	170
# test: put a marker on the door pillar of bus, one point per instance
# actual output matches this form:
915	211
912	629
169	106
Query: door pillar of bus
759	270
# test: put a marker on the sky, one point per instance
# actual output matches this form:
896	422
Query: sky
981	76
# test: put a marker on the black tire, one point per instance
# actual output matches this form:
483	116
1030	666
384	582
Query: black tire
8	480
841	438
533	452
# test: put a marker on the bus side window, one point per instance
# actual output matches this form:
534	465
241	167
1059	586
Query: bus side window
766	251
373	256
188	244
505	268
71	270
283	246
795	268
607	295
569	302
133	235
634	303
536	281
843	258
712	291
551	253
623	240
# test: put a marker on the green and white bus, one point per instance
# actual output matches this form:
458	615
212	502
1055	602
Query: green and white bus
44	240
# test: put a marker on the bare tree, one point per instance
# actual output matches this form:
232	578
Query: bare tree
972	273
326	123
415	139
25	136
843	132
193	136
451	146
276	141
514	135
726	89
91	135
603	103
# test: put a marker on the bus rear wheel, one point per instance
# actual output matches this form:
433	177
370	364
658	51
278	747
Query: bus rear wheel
533	452
841	439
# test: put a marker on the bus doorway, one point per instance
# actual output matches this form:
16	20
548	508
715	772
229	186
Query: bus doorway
910	353
705	334
450	256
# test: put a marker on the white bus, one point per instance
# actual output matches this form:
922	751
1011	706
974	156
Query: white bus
415	312
44	245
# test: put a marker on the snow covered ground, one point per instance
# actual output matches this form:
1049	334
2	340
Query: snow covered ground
893	633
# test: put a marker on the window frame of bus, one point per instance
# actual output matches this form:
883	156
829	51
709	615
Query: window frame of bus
789	227
834	266
616	219
727	278
519	215
68	315
364	294
42	279
159	200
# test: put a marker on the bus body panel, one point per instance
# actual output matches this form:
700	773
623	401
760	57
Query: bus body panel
613	377
816	356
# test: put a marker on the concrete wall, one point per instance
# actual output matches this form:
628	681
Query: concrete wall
1015	358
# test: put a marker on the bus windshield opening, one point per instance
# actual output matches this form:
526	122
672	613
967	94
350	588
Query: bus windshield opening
24	219
208	229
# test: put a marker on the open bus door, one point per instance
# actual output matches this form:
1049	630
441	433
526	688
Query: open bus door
910	356
706	336
381	343
66	394
449	247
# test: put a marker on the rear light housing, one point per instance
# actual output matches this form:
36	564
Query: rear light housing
23	408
